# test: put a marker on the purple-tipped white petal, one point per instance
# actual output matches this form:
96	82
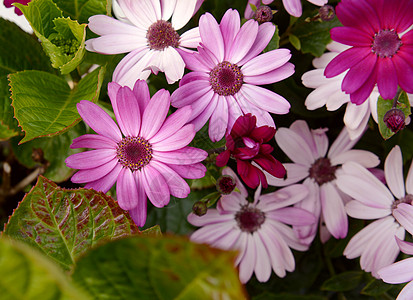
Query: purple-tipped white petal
393	170
90	159
365	158
173	65
126	190
190	38
104	25
117	43
98	120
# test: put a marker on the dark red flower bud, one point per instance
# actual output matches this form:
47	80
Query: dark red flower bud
263	14
394	119
326	12
226	184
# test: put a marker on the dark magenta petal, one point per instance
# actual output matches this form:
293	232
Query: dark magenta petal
345	60
248	173
271	165
243	125
351	36
263	133
222	158
266	149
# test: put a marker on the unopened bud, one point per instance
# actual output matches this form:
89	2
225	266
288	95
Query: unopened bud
394	119
226	184
326	12
263	14
199	208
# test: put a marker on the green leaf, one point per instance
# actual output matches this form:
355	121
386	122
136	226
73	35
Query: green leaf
28	274
18	51
343	282
62	39
158	268
65	223
44	104
81	10
275	41
375	288
154	231
314	36
54	151
295	41
385	105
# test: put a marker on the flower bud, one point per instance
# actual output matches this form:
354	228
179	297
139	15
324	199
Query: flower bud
199	208
263	14
226	184
394	119
326	12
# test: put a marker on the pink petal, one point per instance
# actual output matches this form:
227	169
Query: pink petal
193	60
293	7
243	42
193	76
262	268
211	217
295	173
393	170
128	114
93	141
409	180
190	39
292	216
247	264
194	171
399	272
118	43
404	215
155	114
358	210
211	35
333	211
265	99
404	70
230	25
182	156
177	185
94	174
106	182
266	62
405	247
283	197
219	120
358	74
126	190
294	146
276	75
366	158
155	186
190	92
351	36
98	120
345	60
90	159
203	117
176	141
363	93
141	92
387	78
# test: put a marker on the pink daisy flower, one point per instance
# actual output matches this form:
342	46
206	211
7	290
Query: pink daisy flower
319	167
256	229
376	244
293	7
148	36
247	143
380	52
146	155
17	11
227	70
402	271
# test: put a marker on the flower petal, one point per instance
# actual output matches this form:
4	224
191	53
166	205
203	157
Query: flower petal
275	75
94	174
404	215
106	182
211	35
294	146
90	159
176	141
266	62
243	42
358	210
219	120
230	25
127	112
265	99
126	190
155	114
155	186
177	185
173	64
184	10
399	272
95	141
393	170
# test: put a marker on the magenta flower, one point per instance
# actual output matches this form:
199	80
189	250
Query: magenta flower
257	230
319	166
17	11
227	71
402	271
376	244
149	37
381	49
293	7
246	143
150	159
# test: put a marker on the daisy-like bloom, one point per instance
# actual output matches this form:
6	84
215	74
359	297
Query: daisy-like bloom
402	271
256	229
151	40
376	243
227	69
146	155
320	170
380	52
17	11
247	143
293	7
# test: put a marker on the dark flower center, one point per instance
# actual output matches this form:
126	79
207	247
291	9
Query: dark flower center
386	43
406	199
263	14
134	152
322	171
249	219
161	35
226	184
226	79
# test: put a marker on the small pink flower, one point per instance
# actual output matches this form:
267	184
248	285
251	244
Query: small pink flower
228	68
379	33
146	155
256	229
390	206
17	11
247	143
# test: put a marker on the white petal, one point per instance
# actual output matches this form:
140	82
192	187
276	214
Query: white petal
184	10
399	272
393	170
173	65
358	210
365	158
294	146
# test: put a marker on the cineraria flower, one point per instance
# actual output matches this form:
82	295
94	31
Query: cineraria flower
246	143
17	11
150	159
319	169
293	7
380	53
152	40
402	271
257	230
376	244
227	71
